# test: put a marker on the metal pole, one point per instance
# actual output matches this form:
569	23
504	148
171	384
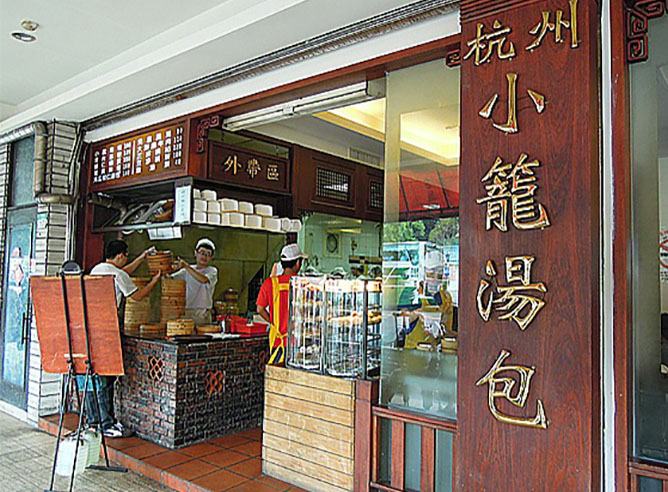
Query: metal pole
77	435
63	399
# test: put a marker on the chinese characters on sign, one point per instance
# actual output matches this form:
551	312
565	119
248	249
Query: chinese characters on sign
500	387
272	172
484	44
244	167
510	198
512	187
231	164
510	126
516	302
545	25
253	167
146	154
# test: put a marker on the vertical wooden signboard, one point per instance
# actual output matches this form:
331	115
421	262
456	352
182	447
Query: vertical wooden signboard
528	388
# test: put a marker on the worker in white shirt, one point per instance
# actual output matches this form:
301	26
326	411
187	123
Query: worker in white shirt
116	263
201	279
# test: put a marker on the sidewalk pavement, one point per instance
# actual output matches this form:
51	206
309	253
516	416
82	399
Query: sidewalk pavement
26	455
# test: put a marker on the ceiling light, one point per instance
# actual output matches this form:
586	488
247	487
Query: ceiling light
317	103
23	36
29	25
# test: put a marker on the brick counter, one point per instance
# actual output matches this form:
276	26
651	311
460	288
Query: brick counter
179	394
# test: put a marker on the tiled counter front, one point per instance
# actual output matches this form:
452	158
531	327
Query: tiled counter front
179	394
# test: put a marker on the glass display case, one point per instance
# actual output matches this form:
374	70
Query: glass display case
335	326
305	323
352	335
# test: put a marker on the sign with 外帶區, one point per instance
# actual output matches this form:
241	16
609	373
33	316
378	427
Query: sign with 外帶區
239	166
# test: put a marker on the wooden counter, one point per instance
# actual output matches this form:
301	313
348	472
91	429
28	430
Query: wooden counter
308	435
180	394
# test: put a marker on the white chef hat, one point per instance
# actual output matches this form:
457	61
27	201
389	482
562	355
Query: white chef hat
207	243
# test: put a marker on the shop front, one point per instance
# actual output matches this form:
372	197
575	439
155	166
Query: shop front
458	324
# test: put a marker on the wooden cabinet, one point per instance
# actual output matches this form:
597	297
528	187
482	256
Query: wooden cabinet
329	184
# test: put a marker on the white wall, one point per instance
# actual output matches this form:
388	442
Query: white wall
382	45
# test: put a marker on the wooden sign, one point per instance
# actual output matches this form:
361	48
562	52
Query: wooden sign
242	167
105	337
153	154
528	387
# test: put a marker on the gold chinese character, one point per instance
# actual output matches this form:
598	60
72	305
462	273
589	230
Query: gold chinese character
502	387
253	167
541	29
272	172
232	164
513	301
514	184
488	42
510	126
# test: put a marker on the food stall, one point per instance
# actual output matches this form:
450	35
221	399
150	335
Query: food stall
167	187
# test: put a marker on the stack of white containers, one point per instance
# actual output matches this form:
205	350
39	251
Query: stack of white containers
211	210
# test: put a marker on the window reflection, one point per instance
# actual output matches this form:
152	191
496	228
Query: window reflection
649	177
421	240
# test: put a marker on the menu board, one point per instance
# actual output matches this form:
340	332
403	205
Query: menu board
147	154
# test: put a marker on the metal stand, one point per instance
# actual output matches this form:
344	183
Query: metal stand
72	269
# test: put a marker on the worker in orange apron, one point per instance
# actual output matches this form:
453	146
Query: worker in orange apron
272	301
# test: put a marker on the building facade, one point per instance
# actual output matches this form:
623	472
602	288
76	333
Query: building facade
559	109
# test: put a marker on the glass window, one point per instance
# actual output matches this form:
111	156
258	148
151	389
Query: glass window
334	243
23	165
421	240
649	178
246	141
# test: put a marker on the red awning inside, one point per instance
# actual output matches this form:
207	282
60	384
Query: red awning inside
429	193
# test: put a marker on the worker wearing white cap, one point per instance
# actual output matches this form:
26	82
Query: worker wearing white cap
201	279
272	302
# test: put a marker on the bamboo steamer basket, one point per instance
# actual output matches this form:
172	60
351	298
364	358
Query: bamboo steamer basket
137	312
172	300
160	261
180	327
151	329
203	329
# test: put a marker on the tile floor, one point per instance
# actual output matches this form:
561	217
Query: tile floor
230	463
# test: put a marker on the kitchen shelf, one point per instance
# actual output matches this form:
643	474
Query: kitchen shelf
135	227
164	225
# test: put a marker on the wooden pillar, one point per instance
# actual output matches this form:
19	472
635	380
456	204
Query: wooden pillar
366	395
528	387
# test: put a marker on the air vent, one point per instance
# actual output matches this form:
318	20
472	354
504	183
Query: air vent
364	156
375	194
333	185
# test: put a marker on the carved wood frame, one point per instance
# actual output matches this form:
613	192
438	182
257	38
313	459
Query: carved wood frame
637	16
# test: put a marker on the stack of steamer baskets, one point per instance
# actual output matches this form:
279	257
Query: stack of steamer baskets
172	300
180	327
208	329
151	330
160	261
137	313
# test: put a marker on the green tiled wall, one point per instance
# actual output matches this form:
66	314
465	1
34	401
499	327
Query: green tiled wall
239	256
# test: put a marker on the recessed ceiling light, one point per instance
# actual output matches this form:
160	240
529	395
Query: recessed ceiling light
29	25
25	37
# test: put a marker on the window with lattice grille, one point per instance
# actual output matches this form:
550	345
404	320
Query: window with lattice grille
333	185
375	194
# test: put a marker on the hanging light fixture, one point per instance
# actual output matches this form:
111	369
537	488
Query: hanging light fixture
324	101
